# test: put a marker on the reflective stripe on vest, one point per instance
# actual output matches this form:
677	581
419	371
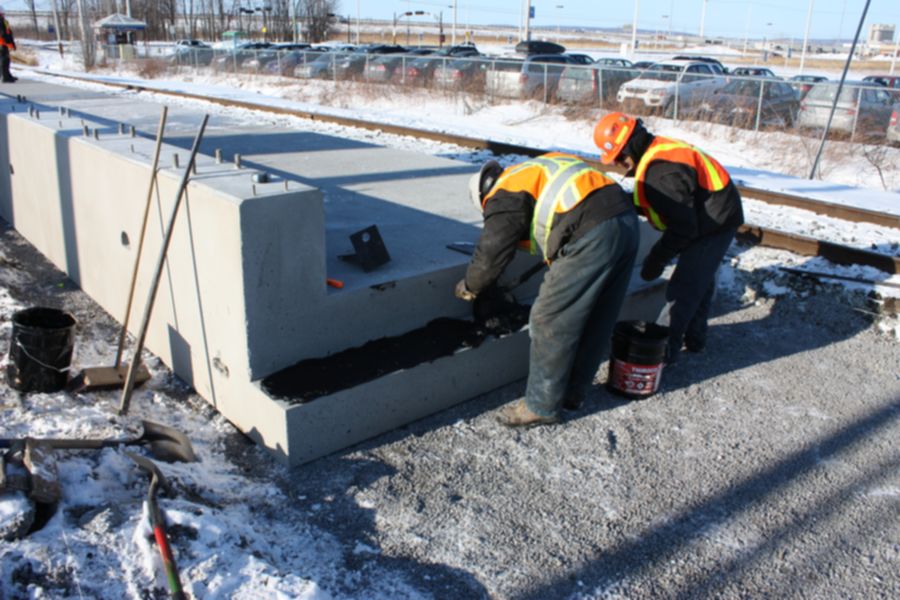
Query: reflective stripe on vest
558	182
711	176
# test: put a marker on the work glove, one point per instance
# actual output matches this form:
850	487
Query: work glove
462	292
654	263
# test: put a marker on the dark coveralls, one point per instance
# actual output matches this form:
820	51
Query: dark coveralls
590	250
698	227
7	43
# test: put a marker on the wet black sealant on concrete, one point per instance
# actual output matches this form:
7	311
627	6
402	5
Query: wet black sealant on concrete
317	377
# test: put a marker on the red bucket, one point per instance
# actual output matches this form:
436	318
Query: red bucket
636	363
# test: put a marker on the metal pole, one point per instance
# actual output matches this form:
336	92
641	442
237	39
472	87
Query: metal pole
453	36
59	33
856	114
747	29
528	21
703	19
894	56
837	94
762	86
637	4
806	36
357	22
157	275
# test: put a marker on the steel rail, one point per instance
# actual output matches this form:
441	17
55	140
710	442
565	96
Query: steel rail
752	234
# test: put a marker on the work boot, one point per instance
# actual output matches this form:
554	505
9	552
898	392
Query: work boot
519	415
694	344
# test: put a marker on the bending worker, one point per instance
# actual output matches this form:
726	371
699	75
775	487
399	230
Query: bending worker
7	44
582	223
690	197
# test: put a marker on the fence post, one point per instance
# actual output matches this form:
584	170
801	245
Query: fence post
402	66
600	87
677	90
856	113
762	85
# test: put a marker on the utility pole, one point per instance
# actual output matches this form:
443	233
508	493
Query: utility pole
357	22
703	20
637	4
453	35
747	28
806	36
527	20
894	55
87	43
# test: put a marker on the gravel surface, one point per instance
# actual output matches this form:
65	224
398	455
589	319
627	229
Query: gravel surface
767	466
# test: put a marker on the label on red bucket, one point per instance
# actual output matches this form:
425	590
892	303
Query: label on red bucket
634	379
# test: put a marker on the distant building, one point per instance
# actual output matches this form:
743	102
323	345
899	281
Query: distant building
881	34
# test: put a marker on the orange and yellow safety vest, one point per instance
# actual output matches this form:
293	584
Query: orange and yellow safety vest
711	176
558	182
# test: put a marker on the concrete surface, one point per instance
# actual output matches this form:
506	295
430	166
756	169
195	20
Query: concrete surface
244	291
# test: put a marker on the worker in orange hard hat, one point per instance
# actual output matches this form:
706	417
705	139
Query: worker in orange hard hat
581	223
7	44
688	196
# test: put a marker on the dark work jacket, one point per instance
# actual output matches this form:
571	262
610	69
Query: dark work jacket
507	220
689	211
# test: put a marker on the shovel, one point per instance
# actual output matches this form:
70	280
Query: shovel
158	522
165	443
106	378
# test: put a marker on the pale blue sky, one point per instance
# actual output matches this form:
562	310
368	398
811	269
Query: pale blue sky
728	18
723	17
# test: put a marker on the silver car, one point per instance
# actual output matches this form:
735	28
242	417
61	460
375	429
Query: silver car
861	108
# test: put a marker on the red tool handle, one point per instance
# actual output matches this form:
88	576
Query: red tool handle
168	562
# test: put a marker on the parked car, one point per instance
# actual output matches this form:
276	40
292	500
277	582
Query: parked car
288	61
381	69
643	65
861	108
803	83
580	59
657	87
192	52
321	67
580	84
352	65
535	77
272	54
717	67
893	130
539	47
622	63
739	101
753	72
420	71
234	59
467	73
892	82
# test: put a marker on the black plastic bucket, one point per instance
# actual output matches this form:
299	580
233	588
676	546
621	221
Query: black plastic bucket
636	361
40	350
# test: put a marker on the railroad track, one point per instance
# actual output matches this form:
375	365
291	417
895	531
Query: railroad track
799	244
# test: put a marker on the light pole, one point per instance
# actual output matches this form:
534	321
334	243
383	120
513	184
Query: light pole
669	28
806	36
765	43
558	24
637	5
453	37
703	20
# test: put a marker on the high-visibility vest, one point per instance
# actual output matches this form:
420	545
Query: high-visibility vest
6	32
558	182
711	176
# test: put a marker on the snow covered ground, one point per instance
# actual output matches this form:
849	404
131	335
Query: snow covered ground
765	467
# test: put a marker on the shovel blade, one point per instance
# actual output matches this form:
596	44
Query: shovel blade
106	378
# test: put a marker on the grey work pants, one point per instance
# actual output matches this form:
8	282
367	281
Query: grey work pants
690	291
576	309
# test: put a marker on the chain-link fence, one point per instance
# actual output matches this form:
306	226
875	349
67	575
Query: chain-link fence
865	111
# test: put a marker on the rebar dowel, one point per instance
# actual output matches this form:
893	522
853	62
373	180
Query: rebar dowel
157	275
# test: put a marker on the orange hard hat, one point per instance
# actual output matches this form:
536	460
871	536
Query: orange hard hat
611	133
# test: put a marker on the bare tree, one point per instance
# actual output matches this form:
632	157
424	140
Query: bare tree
33	13
317	17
